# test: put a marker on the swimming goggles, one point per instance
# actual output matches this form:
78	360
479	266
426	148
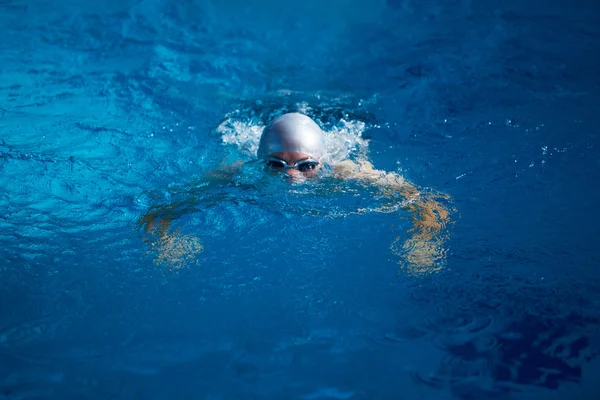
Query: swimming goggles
302	166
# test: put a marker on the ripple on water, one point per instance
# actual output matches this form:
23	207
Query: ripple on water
454	370
530	353
28	333
41	390
473	348
398	336
461	322
443	330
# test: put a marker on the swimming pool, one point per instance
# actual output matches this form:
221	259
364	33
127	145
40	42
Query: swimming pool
298	291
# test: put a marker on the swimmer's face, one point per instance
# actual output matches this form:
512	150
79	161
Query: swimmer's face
297	166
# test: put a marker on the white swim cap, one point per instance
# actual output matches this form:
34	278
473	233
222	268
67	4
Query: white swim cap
293	132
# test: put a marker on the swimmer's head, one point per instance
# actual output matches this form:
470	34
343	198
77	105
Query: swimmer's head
294	144
292	133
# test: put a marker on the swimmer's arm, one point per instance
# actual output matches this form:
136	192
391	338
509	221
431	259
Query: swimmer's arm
224	174
157	220
389	182
429	215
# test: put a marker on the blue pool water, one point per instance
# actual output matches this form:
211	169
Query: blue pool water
298	291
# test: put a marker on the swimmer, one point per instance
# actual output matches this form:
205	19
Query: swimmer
293	144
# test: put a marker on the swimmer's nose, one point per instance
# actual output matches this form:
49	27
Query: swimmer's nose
294	174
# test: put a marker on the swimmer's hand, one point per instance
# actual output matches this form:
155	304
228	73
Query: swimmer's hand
424	250
175	250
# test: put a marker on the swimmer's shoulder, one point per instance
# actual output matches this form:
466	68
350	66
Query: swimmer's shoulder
349	169
224	173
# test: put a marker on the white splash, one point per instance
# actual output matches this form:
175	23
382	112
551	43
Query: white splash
342	140
345	139
244	135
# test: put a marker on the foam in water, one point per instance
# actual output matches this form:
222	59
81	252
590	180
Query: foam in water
343	140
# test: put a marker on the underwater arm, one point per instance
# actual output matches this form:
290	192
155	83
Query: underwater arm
174	248
424	249
388	182
157	220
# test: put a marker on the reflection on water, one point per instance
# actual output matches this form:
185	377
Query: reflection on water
15	338
529	353
482	356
